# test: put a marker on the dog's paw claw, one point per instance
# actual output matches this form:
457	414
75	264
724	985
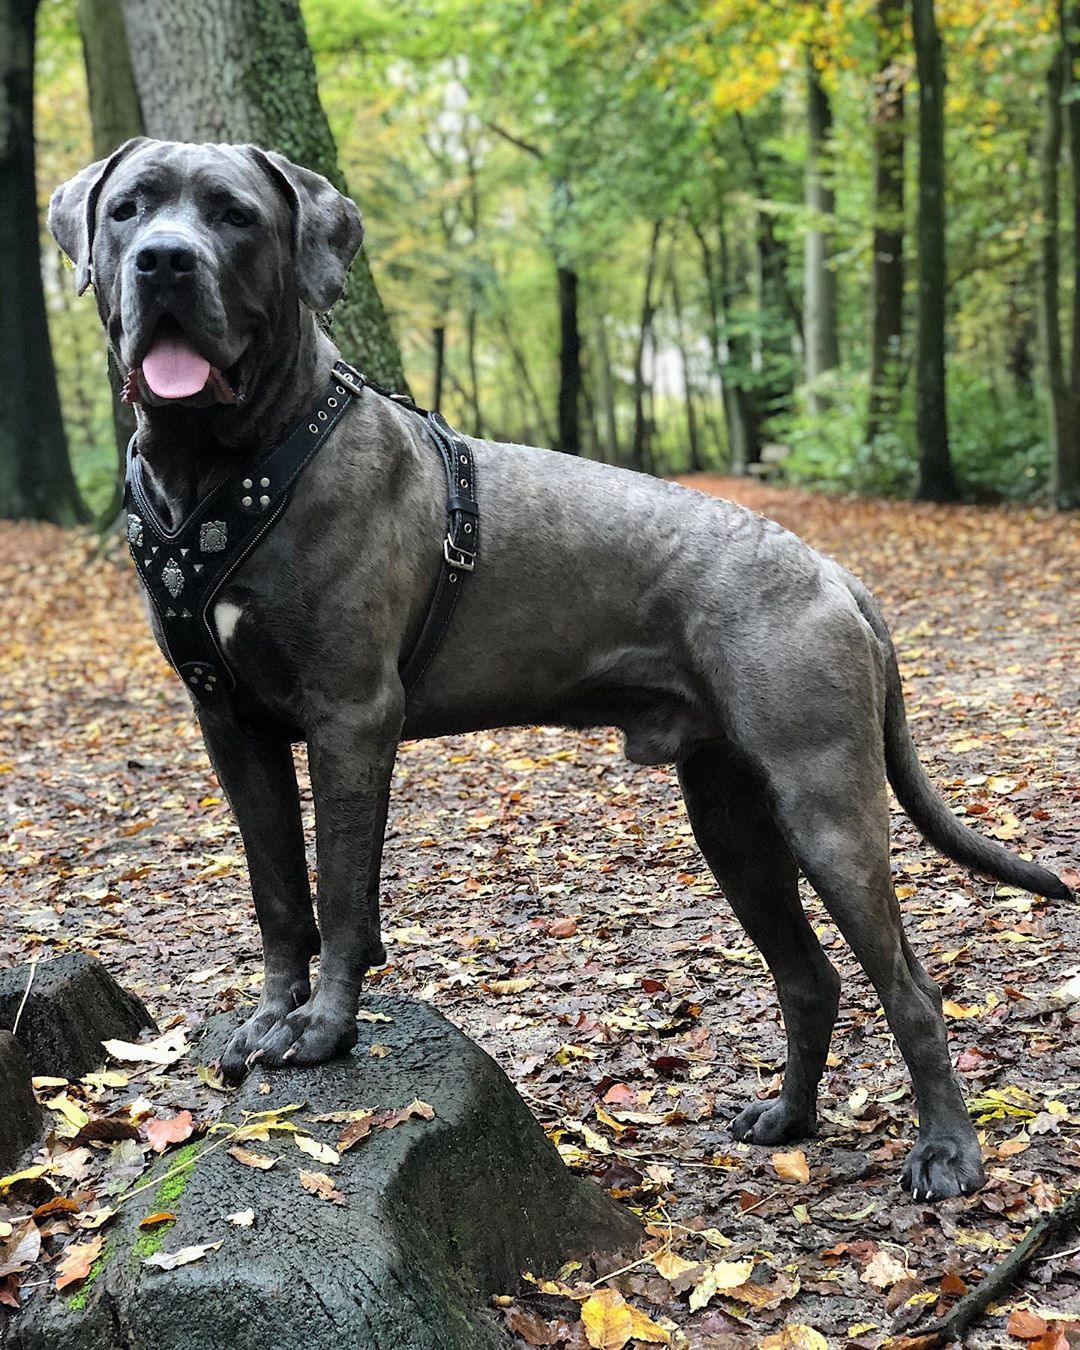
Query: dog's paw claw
772	1122
940	1167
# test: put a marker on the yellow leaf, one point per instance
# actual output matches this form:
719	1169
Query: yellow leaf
795	1337
643	1328
608	1322
792	1166
958	1011
719	1276
671	1266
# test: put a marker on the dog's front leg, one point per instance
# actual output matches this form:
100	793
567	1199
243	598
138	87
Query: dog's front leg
351	753
259	780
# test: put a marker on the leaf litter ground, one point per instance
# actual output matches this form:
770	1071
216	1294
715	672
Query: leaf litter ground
547	897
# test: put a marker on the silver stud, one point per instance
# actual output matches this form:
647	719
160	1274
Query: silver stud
173	577
339	388
184	552
331	401
153	548
313	428
192	680
264	482
170	613
245	501
464	459
468	529
464	482
453	576
213	536
135	531
247	482
322	416
198	567
264	501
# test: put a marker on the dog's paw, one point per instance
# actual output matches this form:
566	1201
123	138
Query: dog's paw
941	1166
773	1122
310	1035
246	1038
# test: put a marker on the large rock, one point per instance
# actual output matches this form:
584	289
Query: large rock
437	1216
73	1005
20	1116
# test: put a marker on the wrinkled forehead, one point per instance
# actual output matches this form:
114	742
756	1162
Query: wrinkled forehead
172	171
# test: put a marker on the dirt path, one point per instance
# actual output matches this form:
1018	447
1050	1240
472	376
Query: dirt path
546	895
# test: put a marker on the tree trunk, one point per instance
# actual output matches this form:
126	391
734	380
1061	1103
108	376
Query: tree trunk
115	117
936	480
569	363
474	379
692	434
1065	466
438	344
606	379
640	449
887	276
36	482
241	70
739	421
821	337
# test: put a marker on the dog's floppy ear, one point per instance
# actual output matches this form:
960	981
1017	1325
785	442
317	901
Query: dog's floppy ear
327	229
74	205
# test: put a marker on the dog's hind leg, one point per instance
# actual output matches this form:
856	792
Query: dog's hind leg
832	807
735	830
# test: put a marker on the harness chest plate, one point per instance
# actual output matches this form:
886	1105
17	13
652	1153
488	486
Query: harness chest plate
184	570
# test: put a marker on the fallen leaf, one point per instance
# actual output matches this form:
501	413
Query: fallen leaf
314	1148
249	1158
608	1321
75	1264
163	1050
883	1270
161	1133
1026	1325
795	1336
718	1276
243	1218
184	1257
670	1265
530	1327
318	1183
155	1220
20	1248
792	1166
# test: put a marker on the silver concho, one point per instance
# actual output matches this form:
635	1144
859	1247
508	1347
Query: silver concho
173	578
213	536
135	531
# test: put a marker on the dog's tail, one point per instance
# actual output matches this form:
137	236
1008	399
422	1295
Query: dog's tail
920	799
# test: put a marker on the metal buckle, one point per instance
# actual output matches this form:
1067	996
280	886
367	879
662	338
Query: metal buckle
458	557
345	375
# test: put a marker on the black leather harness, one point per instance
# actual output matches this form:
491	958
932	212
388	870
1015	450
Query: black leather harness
184	570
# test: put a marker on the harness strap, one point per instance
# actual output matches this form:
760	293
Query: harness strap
184	570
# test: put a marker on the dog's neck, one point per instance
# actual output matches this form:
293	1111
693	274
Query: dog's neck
187	452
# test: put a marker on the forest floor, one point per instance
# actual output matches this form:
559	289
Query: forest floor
547	896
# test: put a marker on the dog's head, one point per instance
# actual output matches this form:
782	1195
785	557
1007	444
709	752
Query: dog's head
196	253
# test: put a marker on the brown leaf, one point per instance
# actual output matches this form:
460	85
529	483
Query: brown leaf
529	1326
74	1265
792	1166
262	1161
20	1248
154	1220
318	1183
1026	1325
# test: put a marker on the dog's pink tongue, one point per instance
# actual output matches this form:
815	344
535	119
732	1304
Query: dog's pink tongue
174	369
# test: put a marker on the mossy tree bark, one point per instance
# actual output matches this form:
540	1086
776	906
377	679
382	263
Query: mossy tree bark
36	481
115	116
936	479
242	70
887	277
821	338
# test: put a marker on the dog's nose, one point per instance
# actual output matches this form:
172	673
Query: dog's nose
166	259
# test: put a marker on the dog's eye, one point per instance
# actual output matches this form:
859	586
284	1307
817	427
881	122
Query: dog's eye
124	210
234	216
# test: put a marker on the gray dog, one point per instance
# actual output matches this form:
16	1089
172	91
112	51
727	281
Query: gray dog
714	639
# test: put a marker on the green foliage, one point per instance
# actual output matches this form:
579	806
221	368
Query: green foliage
490	141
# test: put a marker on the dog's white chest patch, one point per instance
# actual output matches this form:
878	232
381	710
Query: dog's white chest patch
226	617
